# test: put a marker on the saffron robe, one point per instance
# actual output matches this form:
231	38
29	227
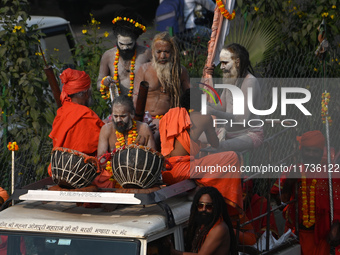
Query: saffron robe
175	125
76	127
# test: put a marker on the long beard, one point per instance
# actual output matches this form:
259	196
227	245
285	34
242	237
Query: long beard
230	77
163	73
127	54
203	218
121	126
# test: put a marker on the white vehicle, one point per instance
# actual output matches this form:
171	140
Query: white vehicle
61	227
58	39
50	222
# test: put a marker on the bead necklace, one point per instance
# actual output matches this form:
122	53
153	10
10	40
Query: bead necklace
132	135
132	75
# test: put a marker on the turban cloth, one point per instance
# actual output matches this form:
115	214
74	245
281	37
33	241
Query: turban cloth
312	139
74	81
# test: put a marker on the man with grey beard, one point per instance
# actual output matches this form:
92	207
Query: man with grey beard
167	78
236	68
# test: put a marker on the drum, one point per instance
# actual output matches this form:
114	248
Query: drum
73	169
135	166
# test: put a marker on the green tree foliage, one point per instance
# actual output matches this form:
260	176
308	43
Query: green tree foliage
88	53
24	92
298	21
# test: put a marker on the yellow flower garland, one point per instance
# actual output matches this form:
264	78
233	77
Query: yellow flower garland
132	135
308	220
324	108
118	18
109	169
132	75
224	12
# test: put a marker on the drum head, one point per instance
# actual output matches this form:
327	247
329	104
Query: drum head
72	169
137	166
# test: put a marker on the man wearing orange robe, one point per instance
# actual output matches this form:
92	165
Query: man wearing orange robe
314	219
179	135
76	126
254	206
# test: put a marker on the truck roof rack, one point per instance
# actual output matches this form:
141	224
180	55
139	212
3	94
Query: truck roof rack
35	192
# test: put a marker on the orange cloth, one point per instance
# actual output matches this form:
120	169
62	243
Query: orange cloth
246	235
74	81
308	245
174	125
184	167
105	180
76	127
4	194
319	234
258	206
311	139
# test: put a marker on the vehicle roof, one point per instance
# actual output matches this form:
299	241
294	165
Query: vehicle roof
136	221
46	21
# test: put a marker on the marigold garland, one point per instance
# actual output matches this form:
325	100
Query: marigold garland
308	220
324	108
132	135
104	90
118	18
13	146
132	75
109	169
158	116
224	12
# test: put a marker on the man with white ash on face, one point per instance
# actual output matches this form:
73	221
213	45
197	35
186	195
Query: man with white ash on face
237	71
119	64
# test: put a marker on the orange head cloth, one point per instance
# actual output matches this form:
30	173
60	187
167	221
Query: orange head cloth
311	139
74	81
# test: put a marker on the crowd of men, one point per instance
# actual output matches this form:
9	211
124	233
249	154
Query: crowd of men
175	130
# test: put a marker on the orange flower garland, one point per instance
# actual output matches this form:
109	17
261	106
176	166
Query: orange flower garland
224	12
308	220
13	146
118	18
104	90
324	108
132	135
132	75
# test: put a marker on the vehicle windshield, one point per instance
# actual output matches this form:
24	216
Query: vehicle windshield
25	244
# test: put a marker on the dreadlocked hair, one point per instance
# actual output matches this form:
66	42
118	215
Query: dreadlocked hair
240	52
174	90
219	210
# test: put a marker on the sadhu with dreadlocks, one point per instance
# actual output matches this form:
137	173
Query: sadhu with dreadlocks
210	230
167	78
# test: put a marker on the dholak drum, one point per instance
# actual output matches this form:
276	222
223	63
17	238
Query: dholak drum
135	166
73	169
